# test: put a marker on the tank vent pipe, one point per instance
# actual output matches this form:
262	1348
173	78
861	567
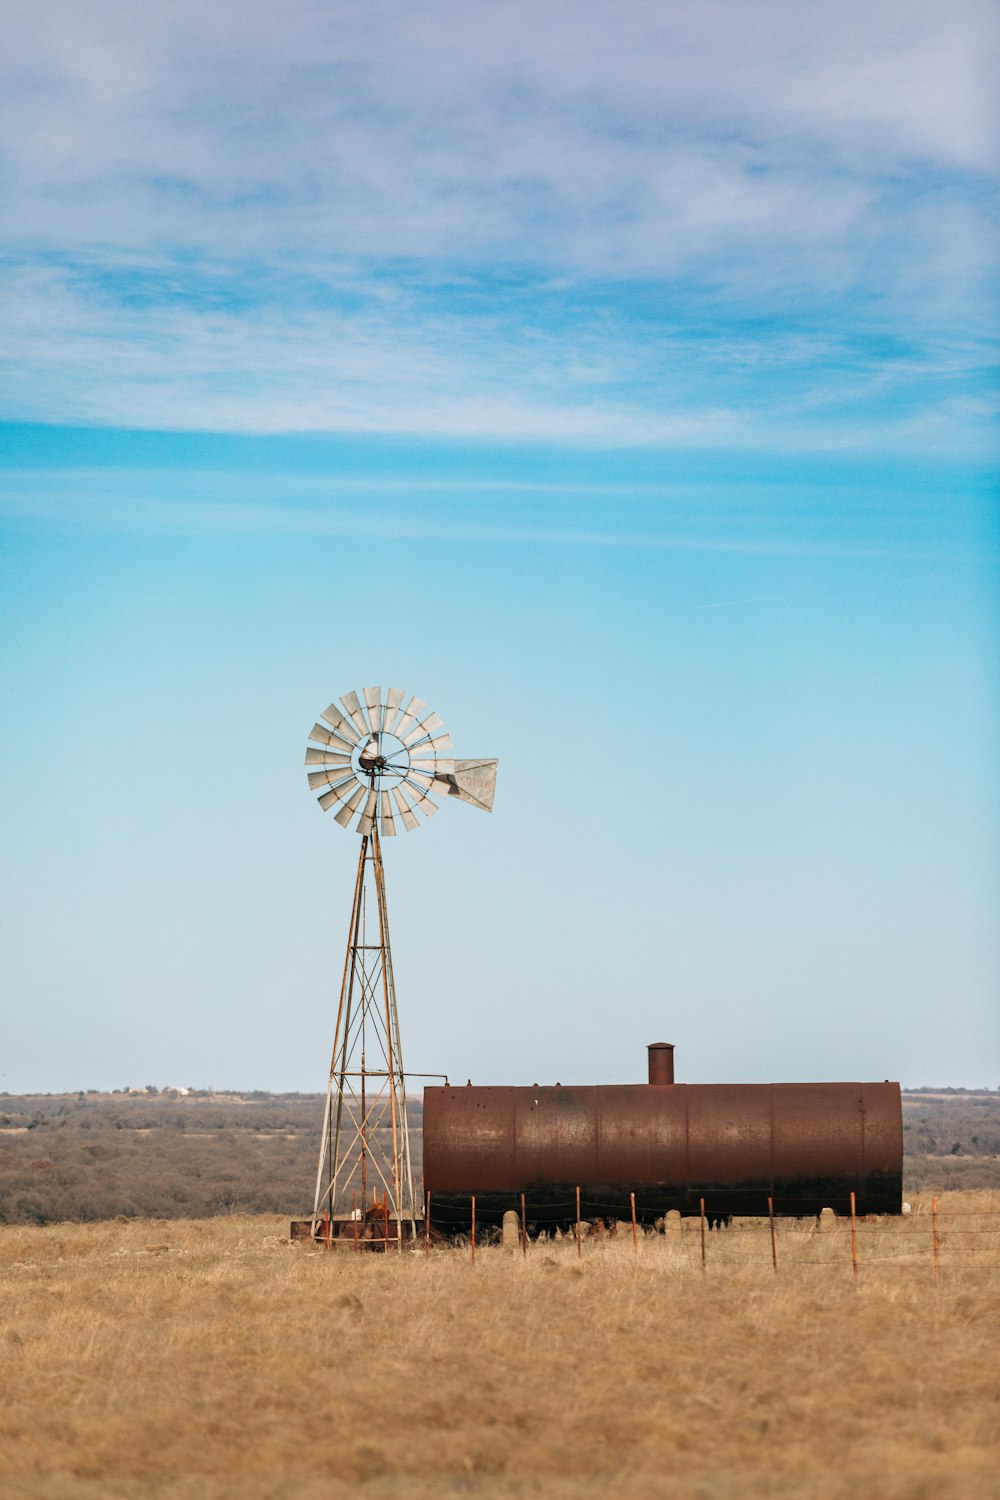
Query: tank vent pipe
661	1062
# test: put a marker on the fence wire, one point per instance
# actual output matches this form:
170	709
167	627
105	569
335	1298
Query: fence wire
938	1239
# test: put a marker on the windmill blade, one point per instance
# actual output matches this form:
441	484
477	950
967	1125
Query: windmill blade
472	781
388	822
433	765
342	726
367	818
403	808
393	703
349	808
373	698
430	746
333	777
423	802
338	793
431	723
328	757
423	779
414	709
325	737
352	703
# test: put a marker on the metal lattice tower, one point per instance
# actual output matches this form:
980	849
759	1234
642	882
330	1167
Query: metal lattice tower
383	761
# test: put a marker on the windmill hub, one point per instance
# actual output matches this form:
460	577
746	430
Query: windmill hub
371	758
383	754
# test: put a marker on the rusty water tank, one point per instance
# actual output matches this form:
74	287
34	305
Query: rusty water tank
807	1146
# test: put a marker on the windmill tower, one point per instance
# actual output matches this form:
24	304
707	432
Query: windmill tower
383	761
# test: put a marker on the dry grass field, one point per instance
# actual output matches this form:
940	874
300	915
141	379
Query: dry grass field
208	1359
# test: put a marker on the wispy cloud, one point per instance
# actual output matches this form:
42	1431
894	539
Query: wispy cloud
283	358
721	519
511	221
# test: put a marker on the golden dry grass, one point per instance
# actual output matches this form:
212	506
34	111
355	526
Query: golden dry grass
212	1359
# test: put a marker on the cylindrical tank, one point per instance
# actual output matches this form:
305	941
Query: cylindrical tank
805	1145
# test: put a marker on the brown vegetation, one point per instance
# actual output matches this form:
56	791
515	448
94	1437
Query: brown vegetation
951	1140
202	1360
95	1156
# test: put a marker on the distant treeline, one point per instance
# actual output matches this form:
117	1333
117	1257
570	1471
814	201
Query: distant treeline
951	1139
96	1156
165	1155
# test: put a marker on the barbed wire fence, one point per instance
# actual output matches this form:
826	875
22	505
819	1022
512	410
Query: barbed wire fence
944	1240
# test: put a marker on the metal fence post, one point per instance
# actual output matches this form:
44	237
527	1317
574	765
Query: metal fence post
854	1238
937	1240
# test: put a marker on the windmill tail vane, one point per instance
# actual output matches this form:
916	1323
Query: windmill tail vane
379	755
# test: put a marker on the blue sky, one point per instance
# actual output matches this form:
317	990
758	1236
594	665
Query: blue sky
620	379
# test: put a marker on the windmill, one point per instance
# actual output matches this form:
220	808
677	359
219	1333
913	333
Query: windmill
382	759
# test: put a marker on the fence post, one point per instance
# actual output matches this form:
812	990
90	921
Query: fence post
774	1247
579	1237
854	1238
701	1210
427	1221
354	1218
937	1241
524	1230
473	1229
385	1219
635	1237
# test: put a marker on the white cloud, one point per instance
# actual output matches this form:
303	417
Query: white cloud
398	366
449	129
249	214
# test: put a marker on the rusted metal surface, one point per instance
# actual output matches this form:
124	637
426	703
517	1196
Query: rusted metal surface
807	1146
372	1232
661	1062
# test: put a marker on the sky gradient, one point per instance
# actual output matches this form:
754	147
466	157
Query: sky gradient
620	379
